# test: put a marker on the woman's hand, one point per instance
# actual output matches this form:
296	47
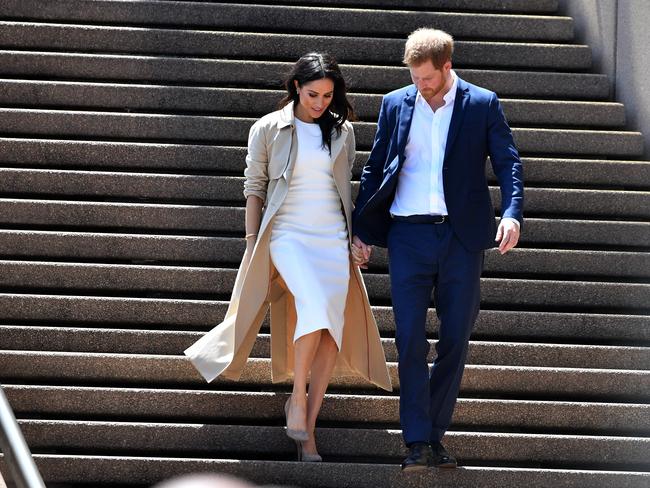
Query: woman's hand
360	253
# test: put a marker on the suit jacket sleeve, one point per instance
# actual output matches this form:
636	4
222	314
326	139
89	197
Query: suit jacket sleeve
505	162
373	171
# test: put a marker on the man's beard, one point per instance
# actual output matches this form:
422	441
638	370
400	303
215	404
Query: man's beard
432	92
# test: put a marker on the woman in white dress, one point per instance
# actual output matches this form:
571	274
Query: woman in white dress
309	242
298	214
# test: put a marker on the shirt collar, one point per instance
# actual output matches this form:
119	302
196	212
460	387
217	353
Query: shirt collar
449	97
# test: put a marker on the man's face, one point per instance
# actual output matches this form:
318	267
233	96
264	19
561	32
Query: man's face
430	80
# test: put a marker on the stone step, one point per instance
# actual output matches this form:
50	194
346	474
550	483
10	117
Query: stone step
334	443
186	405
587	172
234	130
78	468
129	341
122	185
275	47
185	158
217	190
180	219
255	103
520	382
94	469
539	201
268	74
148	248
66	214
582	232
291	19
161	281
185	314
517	6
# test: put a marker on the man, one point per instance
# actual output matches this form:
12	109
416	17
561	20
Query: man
425	197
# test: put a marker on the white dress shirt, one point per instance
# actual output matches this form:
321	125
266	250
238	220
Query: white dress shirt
419	188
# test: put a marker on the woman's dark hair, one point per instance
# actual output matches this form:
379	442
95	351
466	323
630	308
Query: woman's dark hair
316	66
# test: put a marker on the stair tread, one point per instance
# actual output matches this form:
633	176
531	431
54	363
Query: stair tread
129	341
498	380
232	130
230	72
239	406
337	442
322	19
223	101
75	37
146	470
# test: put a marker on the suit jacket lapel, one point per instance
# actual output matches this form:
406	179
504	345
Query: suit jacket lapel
460	104
405	118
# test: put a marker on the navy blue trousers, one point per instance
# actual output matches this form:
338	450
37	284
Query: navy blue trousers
426	258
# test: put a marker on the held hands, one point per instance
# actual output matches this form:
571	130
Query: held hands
360	252
507	235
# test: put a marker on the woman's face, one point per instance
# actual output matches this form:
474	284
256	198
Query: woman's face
315	97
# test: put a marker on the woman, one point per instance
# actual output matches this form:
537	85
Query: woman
298	259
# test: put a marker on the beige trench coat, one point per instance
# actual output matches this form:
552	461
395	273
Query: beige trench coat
225	349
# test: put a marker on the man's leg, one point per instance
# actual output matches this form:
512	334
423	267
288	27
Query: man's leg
457	300
412	274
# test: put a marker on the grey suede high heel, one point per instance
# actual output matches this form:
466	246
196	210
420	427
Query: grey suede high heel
307	458
295	434
304	457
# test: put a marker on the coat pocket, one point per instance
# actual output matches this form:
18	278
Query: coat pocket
276	169
280	156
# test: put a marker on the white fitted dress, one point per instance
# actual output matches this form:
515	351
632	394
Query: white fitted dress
309	239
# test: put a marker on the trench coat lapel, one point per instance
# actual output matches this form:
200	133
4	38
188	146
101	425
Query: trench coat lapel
284	138
338	141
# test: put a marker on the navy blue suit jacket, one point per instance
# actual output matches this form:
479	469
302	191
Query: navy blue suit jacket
478	129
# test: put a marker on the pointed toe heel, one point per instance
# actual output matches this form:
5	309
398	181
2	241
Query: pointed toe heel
311	458
295	434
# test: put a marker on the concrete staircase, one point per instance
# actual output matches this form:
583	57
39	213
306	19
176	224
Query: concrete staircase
122	140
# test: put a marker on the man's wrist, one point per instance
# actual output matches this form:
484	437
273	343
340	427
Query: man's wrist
517	223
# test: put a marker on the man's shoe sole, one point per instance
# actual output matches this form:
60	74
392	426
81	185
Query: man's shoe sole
412	468
446	465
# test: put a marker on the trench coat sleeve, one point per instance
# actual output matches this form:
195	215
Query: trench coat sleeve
256	172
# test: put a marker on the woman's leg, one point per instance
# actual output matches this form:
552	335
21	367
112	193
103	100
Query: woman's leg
305	349
321	372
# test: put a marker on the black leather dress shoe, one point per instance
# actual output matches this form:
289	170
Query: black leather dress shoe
442	458
420	457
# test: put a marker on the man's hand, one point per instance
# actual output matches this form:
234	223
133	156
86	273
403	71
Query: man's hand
360	252
507	235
